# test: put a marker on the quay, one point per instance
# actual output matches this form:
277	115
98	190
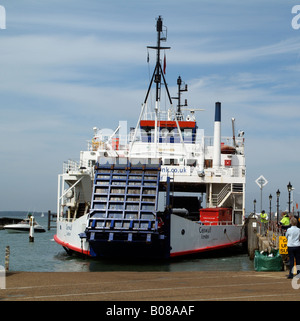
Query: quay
149	286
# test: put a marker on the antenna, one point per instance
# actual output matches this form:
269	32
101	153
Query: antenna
158	72
179	115
233	132
161	28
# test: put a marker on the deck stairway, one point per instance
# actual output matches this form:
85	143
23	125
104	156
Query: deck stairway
218	200
123	215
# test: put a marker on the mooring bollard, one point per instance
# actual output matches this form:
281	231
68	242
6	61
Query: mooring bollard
31	229
7	253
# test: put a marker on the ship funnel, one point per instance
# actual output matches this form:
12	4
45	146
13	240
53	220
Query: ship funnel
217	136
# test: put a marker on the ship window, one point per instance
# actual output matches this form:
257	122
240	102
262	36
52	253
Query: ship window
91	163
208	163
191	162
170	161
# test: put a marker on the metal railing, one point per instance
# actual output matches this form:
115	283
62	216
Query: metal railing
164	136
72	166
271	230
219	199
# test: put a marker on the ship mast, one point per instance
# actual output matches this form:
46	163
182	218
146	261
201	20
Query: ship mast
179	115
158	77
158	74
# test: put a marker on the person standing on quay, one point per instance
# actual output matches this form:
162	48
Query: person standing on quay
293	243
285	221
264	222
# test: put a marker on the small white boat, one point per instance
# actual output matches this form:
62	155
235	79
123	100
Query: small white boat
24	226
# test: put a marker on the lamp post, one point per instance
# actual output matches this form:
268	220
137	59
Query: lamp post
254	205
270	199
278	195
289	187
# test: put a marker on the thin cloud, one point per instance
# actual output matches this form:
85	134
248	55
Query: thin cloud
211	54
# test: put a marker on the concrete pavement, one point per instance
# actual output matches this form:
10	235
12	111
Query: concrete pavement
148	286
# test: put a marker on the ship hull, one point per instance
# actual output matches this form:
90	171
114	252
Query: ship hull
186	237
190	237
67	235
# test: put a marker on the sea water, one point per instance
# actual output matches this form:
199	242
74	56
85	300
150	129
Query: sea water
45	255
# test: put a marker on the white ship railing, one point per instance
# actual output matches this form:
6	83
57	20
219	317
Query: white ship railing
239	141
72	166
164	137
219	199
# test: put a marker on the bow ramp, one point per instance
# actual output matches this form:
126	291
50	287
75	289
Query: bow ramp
123	218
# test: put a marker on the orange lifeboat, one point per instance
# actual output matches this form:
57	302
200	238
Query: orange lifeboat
225	149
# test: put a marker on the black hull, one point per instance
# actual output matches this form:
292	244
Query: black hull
157	249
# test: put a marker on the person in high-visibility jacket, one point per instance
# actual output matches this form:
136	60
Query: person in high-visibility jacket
285	221
264	222
263	217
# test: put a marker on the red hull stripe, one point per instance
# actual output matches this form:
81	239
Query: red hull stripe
208	248
69	246
168	123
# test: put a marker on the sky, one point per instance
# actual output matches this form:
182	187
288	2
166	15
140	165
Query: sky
70	65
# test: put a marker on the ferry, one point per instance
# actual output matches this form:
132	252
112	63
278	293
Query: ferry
161	189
